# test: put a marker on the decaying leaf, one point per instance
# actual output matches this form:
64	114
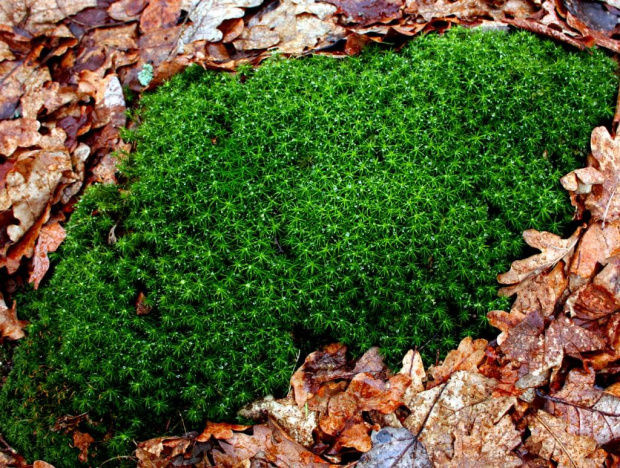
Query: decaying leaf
293	26
299	423
395	448
10	327
30	185
141	307
464	403
553	249
551	440
466	357
595	188
51	236
82	441
541	348
586	410
207	15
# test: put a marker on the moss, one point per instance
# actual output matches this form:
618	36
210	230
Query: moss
371	200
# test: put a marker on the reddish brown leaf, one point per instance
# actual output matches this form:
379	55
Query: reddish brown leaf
376	394
602	199
160	14
141	307
18	133
468	356
10	327
539	292
81	441
219	431
31	184
542	350
586	409
50	238
365	12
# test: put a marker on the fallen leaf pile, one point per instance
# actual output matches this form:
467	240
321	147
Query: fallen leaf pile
545	392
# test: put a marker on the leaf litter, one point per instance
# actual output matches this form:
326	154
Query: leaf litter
535	394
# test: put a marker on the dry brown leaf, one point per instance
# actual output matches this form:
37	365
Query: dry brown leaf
378	395
539	292
599	242
219	431
41	464
466	357
468	9
160	14
365	12
207	15
586	409
413	367
38	16
600	196
10	327
81	441
344	422
50	238
158	452
553	249
331	364
542	349
551	440
463	404
141	307
293	27
30	185
18	133
126	10
486	443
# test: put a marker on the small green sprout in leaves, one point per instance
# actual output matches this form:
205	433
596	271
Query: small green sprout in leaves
371	200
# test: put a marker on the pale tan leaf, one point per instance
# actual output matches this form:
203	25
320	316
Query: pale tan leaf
551	440
553	249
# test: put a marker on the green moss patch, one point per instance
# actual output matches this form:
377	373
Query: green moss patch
371	200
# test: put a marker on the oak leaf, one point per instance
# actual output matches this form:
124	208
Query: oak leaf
539	292
601	195
586	409
467	356
395	448
30	186
464	403
299	423
50	238
219	431
293	27
551	440
553	249
160	14
542	348
18	133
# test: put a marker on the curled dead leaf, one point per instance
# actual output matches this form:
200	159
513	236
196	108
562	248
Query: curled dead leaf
10	327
